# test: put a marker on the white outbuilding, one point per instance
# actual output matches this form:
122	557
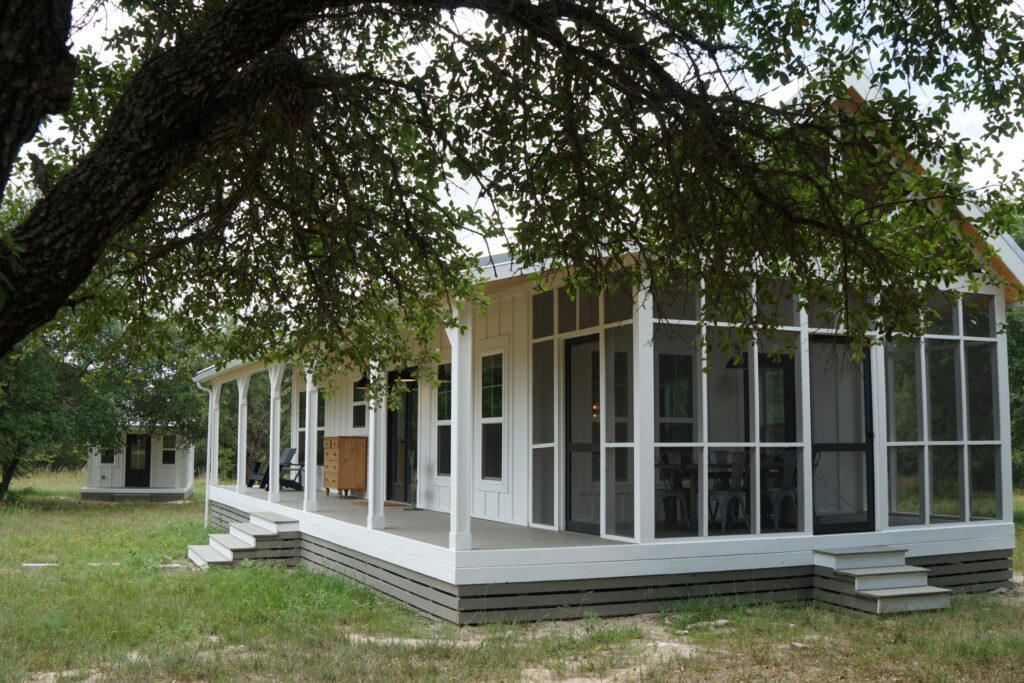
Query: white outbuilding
151	464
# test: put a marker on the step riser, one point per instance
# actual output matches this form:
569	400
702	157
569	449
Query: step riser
904	580
869	561
912	604
196	560
276	527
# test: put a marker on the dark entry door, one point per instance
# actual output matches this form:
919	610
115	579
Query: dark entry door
136	458
401	448
583	435
841	434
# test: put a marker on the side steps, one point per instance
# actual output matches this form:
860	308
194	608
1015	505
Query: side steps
267	536
875	580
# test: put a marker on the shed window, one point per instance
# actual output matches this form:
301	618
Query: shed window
168	450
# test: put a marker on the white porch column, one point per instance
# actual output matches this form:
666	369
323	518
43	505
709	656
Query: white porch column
643	421
243	432
212	443
461	490
376	470
312	419
276	373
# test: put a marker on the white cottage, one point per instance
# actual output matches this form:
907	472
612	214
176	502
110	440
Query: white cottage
151	464
575	458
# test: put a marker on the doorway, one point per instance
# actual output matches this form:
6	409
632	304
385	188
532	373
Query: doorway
583	434
401	439
136	459
841	435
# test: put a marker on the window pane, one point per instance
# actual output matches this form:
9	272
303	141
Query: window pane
589	309
778	388
566	311
619	383
728	491
837	393
359	391
728	390
106	456
543	314
675	304
444	391
321	409
491	450
905	486
780	490
677	371
945	484
358	416
901	376
302	410
984	482
982	392
979	316
490	388
619	492
444	450
943	390
544	392
544	485
168	457
618	305
939	317
676	492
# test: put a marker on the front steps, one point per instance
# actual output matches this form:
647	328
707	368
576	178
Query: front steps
267	536
875	580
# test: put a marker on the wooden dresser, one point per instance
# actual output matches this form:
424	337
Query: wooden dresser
344	463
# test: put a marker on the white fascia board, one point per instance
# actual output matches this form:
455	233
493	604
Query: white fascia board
1012	256
211	371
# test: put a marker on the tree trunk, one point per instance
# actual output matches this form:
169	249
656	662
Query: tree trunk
181	105
5	483
37	71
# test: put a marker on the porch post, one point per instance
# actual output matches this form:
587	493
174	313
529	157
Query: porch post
212	441
376	471
276	373
643	412
312	419
243	432
459	537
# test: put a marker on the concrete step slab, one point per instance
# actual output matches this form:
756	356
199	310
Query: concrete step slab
228	545
860	558
250	533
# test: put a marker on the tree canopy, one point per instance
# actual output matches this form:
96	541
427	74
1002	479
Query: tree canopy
294	175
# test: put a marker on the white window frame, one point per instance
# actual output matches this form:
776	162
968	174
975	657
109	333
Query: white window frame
492	347
438	422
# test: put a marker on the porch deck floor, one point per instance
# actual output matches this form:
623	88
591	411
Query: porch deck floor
432	527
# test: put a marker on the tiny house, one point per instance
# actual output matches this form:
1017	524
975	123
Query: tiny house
150	464
575	456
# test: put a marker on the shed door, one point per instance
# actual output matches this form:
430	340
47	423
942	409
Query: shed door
136	473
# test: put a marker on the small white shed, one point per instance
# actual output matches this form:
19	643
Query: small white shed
151	464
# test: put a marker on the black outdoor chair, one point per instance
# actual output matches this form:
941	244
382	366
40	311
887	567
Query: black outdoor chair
261	472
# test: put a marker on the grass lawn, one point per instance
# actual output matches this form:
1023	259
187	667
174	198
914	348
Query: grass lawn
109	609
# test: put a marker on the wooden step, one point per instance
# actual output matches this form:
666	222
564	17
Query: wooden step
908	599
874	578
250	533
203	556
860	558
273	521
229	545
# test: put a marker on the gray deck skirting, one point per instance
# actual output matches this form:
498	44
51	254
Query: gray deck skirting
539	600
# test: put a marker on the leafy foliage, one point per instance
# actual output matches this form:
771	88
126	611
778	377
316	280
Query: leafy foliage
585	134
